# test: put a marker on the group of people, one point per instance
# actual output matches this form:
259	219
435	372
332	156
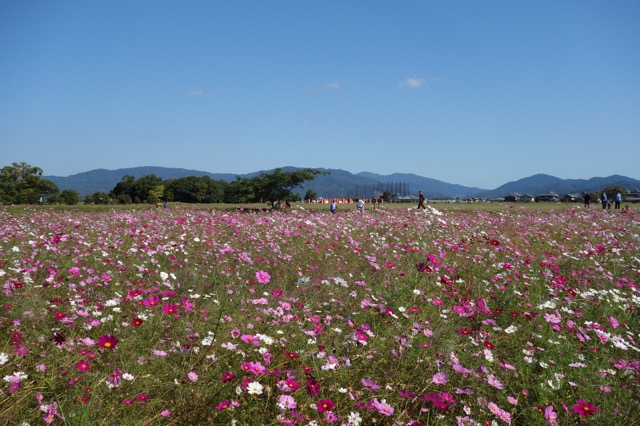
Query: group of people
333	207
604	200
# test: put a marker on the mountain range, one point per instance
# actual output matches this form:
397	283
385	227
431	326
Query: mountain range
341	183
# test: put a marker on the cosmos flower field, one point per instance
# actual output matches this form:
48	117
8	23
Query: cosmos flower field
394	317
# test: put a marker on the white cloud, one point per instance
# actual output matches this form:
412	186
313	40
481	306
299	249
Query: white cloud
413	82
196	93
335	85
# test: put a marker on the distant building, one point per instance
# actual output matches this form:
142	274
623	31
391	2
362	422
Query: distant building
633	196
397	198
548	196
513	197
572	198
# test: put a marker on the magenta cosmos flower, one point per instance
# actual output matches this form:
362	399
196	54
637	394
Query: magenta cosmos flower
107	341
325	405
584	408
83	365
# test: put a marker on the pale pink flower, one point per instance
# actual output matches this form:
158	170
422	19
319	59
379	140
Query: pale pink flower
263	277
439	378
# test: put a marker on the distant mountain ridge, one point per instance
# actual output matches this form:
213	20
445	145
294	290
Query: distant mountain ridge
341	183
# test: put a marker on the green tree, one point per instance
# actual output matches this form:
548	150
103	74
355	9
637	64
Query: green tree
612	190
22	183
124	188
97	198
386	196
238	191
146	189
310	195
155	194
70	197
278	185
190	189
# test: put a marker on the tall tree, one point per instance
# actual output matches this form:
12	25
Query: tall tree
278	185
70	197
22	183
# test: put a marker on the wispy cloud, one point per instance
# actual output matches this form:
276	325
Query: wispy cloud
413	82
199	93
334	85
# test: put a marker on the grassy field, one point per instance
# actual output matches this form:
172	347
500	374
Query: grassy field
464	314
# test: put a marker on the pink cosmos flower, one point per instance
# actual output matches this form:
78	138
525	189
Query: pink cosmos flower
370	384
505	416
286	402
325	405
313	386
257	367
550	415
142	397
439	378
331	417
83	365
383	407
250	339
584	408
493	381
263	277
107	341
187	305
170	308
151	301
227	377
223	405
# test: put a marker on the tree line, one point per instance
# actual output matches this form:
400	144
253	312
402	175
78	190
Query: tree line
22	183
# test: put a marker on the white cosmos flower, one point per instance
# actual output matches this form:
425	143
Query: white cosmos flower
254	388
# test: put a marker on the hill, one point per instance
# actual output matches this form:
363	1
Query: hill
542	183
341	183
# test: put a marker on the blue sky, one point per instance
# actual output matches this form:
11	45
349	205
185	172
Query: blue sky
476	93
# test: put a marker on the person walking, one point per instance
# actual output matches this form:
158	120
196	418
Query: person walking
587	199
333	207
617	200
421	201
603	200
360	206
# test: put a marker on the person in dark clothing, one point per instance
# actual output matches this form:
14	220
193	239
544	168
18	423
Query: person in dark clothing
421	200
587	199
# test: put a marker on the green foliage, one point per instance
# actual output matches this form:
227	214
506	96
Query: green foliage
310	195
22	183
612	190
70	197
97	198
277	185
193	189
